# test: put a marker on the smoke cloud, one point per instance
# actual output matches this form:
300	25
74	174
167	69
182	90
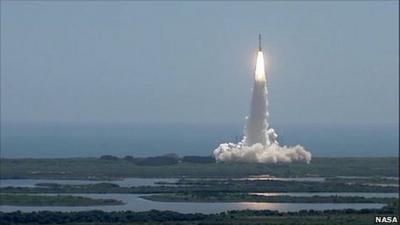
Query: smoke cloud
261	153
260	143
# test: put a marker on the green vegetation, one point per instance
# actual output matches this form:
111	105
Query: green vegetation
205	185
201	180
213	188
198	159
284	185
115	168
245	197
53	200
251	217
164	160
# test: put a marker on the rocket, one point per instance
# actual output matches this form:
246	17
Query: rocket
260	66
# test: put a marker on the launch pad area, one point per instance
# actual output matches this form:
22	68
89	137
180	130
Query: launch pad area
112	167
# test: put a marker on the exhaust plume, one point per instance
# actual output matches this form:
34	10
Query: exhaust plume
260	143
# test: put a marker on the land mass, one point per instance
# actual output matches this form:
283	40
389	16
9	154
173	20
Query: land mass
53	200
208	186
111	167
246	197
250	217
200	179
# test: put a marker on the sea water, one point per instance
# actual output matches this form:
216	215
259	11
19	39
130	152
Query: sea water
138	139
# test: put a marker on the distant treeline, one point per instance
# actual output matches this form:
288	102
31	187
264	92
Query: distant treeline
111	167
163	160
155	216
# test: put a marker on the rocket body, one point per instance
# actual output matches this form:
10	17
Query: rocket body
257	128
259	143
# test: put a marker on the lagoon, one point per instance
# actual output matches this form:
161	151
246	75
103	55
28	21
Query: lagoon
133	202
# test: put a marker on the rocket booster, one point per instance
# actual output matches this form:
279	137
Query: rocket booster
260	67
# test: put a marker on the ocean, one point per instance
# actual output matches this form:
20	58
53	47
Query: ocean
35	140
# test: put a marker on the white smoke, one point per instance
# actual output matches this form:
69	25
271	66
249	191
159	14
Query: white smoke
261	153
260	142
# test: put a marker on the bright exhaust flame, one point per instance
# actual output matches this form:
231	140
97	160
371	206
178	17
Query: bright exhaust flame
260	68
260	143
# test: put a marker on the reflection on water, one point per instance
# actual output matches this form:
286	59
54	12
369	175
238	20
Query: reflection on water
344	194
302	179
127	182
364	177
382	185
134	203
263	178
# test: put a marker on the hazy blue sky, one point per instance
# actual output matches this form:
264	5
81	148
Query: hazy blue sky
95	61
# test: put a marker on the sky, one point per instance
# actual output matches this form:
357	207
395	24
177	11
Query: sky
328	63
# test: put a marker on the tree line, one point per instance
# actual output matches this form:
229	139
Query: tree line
49	217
